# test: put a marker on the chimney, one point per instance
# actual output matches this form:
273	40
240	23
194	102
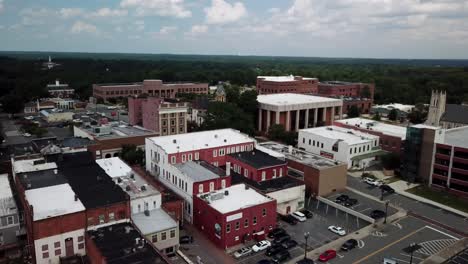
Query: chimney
289	149
228	168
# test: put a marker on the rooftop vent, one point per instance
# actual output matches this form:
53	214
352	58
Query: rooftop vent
128	188
143	188
174	141
147	213
225	140
226	192
216	136
329	128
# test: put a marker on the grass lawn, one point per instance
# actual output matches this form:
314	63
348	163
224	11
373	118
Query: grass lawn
440	197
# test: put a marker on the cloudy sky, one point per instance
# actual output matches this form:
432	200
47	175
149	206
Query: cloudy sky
319	28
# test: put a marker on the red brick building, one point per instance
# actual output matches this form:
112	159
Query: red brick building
257	165
234	215
346	89
286	84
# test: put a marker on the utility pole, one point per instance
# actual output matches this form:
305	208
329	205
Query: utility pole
306	236
386	211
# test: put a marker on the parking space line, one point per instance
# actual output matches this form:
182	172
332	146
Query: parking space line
443	233
389	245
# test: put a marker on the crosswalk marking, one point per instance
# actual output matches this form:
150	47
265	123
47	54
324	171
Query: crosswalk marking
434	246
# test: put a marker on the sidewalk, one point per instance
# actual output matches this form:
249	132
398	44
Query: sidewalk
401	187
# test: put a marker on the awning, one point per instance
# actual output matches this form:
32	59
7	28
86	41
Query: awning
370	155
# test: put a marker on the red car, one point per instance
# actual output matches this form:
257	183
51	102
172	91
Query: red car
327	255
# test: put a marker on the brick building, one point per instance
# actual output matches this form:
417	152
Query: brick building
286	84
257	165
295	111
346	89
234	215
163	117
60	90
150	87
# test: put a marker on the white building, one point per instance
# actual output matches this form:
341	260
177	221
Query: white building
372	125
9	218
346	145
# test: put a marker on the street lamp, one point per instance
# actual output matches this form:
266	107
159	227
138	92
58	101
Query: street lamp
306	236
386	211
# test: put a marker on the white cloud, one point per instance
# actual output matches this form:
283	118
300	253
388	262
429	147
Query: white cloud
197	30
139	25
173	8
107	12
35	16
1	6
70	12
83	27
221	12
118	29
167	30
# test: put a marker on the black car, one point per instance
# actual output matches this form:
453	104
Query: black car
348	245
305	261
350	202
376	214
276	232
341	199
289	244
274	249
186	240
281	239
387	188
281	256
289	219
264	261
307	213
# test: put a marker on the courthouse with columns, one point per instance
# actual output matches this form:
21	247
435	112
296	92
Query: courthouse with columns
297	111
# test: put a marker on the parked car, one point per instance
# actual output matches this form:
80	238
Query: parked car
350	244
26	134
289	219
275	248
299	216
262	245
387	188
307	213
341	199
372	181
281	256
289	244
376	214
350	202
245	251
264	261
29	118
337	230
281	239
305	261
327	255
276	232
185	239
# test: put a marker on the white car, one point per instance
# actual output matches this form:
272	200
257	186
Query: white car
262	245
26	134
29	118
337	230
299	216
242	252
373	182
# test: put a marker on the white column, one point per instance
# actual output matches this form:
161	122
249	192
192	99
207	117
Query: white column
298	112
268	120
259	119
341	112
333	114
315	116
306	125
277	117
324	116
288	120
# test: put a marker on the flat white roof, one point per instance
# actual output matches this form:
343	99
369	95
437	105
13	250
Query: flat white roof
21	166
401	107
457	137
157	220
349	136
237	198
5	190
201	140
392	130
293	99
114	167
53	201
288	78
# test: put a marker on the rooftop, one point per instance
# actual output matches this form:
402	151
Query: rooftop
337	83
288	78
89	181
5	189
401	107
457	137
130	181
200	170
122	244
239	197
455	114
29	165
350	136
201	140
267	186
41	179
117	131
392	130
300	156
53	201
157	220
258	159
7	202
292	99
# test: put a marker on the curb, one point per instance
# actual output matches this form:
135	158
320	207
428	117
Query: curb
185	258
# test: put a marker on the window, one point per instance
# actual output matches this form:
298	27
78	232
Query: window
173	159
10	220
313	143
196	155
200	188
228	228
254	221
223	184
350	151
211	186
111	216
310	141
45	255
45	247
101	219
80	238
246	223
90	221
172	233
163	236
154	238
246	172
81	246
303	140
221	152
281	172
190	156
263	212
237	225
215	153
263	176
321	146
57	244
183	157
274	173
58	252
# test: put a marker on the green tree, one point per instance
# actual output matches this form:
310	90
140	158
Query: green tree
232	93
228	115
393	114
417	117
376	117
276	132
12	104
133	155
354	111
248	102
